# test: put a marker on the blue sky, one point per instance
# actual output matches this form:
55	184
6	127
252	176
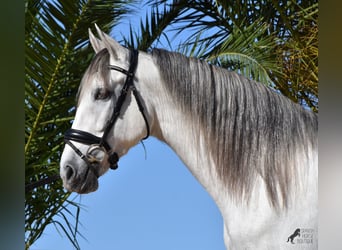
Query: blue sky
152	203
149	203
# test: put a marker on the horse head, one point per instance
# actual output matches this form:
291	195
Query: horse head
110	116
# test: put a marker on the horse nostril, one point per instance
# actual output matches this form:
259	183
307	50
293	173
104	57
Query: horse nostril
69	172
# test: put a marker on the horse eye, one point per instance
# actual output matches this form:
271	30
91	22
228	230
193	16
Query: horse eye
101	94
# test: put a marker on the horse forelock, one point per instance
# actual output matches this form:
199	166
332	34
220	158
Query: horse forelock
251	130
99	67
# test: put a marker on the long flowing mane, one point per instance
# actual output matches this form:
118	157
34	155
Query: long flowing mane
250	129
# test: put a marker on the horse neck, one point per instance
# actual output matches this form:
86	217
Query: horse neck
173	126
170	125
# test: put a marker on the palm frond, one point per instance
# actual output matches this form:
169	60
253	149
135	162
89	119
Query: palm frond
260	39
153	26
248	51
55	38
298	56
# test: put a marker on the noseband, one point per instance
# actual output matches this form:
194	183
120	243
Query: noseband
99	149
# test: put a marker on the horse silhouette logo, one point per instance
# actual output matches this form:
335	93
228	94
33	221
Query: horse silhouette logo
294	235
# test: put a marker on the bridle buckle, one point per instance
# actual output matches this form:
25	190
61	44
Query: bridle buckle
96	154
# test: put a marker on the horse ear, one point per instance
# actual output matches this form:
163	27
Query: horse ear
95	43
114	48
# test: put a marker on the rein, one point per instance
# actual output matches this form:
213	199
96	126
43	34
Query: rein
99	145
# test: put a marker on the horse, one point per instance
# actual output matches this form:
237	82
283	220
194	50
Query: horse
254	150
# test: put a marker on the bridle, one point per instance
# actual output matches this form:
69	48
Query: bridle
99	149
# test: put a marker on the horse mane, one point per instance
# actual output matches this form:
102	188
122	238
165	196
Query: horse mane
250	129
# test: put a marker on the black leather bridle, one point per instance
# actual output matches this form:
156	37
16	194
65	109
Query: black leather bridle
98	146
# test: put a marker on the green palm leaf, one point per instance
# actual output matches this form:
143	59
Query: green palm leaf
55	38
153	26
248	51
274	42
